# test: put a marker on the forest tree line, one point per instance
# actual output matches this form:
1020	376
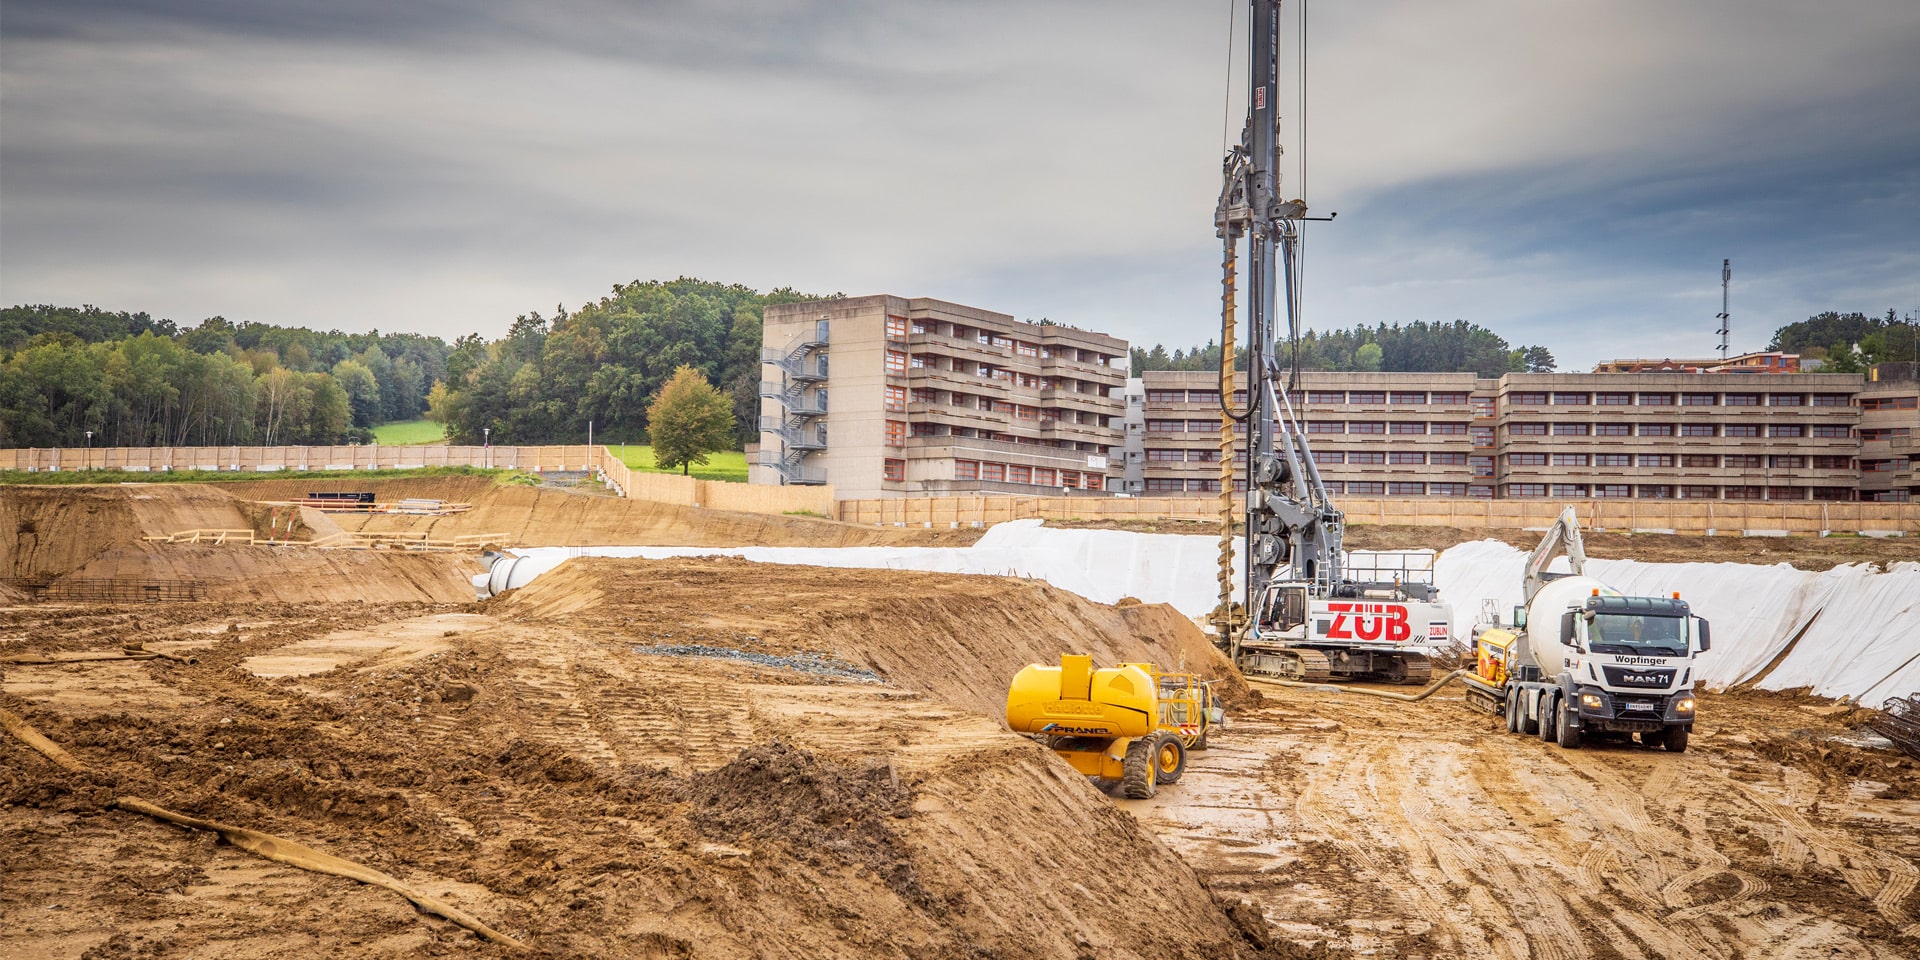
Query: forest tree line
137	381
134	381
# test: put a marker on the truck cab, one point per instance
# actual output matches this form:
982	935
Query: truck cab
1628	666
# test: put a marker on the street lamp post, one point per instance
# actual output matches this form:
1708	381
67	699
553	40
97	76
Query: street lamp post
86	462
486	439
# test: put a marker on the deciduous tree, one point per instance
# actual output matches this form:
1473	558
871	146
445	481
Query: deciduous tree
688	420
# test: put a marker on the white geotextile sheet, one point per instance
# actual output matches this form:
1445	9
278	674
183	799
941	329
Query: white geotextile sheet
1862	626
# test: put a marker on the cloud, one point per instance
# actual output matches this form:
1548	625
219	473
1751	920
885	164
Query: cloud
1567	173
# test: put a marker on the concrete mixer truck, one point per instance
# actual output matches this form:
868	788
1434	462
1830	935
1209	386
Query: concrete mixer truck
1583	660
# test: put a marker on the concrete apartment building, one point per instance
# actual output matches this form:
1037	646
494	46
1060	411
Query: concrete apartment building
930	397
1735	436
1889	426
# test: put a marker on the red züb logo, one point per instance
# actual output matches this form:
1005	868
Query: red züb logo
1369	621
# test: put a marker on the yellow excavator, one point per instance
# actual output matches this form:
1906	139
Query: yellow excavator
1128	725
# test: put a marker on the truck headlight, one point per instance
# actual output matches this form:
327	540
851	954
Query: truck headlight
1592	701
1683	705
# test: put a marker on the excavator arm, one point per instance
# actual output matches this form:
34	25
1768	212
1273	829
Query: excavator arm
1562	538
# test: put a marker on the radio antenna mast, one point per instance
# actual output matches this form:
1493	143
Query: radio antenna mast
1726	279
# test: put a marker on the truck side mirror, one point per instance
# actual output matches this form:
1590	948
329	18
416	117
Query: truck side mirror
1566	630
1706	635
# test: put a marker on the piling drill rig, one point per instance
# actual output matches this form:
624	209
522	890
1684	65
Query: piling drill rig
1302	616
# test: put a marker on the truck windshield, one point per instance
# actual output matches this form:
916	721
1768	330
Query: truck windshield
1637	636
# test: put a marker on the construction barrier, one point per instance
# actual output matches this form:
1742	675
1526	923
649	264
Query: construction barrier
1700	517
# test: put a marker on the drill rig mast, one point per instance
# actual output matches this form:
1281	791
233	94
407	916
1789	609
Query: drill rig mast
1291	621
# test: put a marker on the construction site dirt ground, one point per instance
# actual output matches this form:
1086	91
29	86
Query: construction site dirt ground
712	758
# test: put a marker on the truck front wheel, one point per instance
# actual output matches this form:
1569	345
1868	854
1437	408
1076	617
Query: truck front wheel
1549	708
1676	740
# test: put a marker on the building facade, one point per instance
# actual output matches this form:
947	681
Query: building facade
1653	435
887	396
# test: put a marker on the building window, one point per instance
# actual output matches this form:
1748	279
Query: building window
1832	493
1841	400
1482	408
1366	456
1742	400
1482	436
1406	489
1447	429
1743	461
1405	457
1370	397
1570	490
1069	478
1656	399
1613	459
1570	459
1742	430
1787	400
1400	426
1699	460
1876	403
1569	429
1483	491
1326	426
1696	429
1836	463
1482	466
1019	474
1166	426
896	328
1528	429
1656	491
1656	429
1326	396
1366	426
1165	485
1786	430
896	433
1447	489
1204	396
1024	412
1166	396
1366	488
1045	477
1831	430
1570	399
896	399
896	362
1526	459
1329	456
1656	459
966	469
895	470
1453	397
1527	399
1163	455
1613	429
1025	349
1787	462
1883	434
1449	460
1786	493
1698	492
1742	493
1611	490
1526	489
1612	399
1401	397
1697	400
993	471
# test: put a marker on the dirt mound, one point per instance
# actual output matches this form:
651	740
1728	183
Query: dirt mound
57	530
542	516
293	574
960	638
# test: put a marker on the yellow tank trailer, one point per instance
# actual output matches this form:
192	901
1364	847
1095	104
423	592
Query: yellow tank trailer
1129	725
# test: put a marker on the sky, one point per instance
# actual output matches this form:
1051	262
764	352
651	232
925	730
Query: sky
1563	172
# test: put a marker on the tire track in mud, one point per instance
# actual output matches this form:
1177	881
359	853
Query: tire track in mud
1887	895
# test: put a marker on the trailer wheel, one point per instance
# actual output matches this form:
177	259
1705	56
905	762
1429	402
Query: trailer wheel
1169	759
1528	725
1137	780
1676	740
1200	743
1566	733
1549	708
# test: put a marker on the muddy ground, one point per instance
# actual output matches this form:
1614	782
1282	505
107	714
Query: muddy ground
707	758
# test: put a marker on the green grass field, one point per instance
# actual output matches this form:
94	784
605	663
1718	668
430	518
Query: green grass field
728	465
408	433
